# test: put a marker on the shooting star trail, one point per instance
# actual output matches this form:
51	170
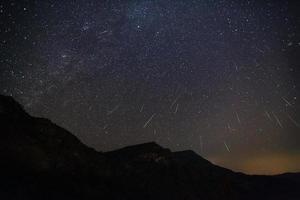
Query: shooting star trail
226	146
236	66
149	120
294	121
142	108
268	115
176	99
105	126
277	120
113	110
286	101
238	117
176	109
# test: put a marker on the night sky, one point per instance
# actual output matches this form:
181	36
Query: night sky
220	77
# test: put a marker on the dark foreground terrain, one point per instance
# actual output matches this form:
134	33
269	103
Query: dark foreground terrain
40	160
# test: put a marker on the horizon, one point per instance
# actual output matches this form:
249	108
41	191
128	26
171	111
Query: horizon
256	165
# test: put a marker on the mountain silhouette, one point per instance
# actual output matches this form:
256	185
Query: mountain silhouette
40	160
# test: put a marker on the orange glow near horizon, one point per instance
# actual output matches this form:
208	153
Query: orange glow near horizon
262	164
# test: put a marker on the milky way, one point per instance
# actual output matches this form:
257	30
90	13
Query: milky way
218	77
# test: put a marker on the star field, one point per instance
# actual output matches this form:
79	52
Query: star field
218	77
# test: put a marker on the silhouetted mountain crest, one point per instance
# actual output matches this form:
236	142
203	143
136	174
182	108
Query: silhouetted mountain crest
40	160
10	108
140	149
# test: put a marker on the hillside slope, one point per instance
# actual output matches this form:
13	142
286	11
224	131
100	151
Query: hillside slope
40	160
